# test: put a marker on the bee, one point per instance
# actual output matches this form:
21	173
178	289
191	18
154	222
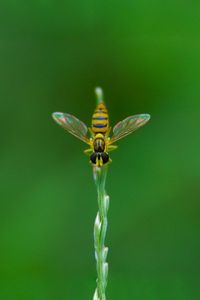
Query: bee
100	144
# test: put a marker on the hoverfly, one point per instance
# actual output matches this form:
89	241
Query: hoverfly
100	143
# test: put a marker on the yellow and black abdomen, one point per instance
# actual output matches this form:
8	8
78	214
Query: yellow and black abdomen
100	122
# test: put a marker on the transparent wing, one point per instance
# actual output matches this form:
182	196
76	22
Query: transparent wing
128	126
72	125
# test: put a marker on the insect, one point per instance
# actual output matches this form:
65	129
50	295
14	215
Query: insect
100	143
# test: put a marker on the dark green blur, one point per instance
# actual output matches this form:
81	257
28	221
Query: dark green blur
146	57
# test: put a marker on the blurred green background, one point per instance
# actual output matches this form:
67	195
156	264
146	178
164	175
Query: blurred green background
146	56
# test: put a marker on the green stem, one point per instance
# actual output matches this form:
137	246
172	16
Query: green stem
99	95
100	228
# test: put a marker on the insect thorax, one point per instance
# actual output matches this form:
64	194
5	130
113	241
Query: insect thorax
99	143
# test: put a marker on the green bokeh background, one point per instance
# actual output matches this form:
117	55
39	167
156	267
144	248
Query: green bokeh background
146	56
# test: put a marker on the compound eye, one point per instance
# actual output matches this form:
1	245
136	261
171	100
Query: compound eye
105	157
93	157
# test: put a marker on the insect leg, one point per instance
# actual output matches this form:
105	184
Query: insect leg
88	151
111	147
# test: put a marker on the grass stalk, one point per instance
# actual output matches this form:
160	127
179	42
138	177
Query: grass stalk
101	223
99	94
100	228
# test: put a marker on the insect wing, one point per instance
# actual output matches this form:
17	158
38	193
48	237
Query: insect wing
128	126
72	124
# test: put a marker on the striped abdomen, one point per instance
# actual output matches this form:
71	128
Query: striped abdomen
100	123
